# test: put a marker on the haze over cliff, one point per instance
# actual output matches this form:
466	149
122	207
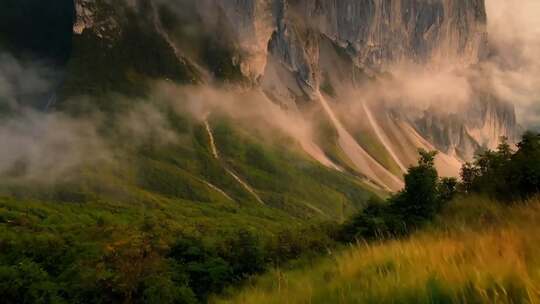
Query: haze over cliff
378	78
390	57
171	151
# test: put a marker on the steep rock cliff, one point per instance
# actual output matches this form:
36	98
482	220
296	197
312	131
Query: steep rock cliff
334	45
478	124
375	33
294	50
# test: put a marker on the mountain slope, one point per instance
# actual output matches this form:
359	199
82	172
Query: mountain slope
106	229
340	47
168	142
307	69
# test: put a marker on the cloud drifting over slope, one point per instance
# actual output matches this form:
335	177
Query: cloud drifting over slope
514	29
52	143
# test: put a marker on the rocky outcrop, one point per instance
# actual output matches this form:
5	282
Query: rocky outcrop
97	16
379	32
448	133
115	40
488	119
294	49
253	24
375	33
479	126
84	10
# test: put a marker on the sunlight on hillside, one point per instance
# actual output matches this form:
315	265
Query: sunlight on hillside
476	252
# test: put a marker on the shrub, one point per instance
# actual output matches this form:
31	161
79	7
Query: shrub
206	271
504	174
244	253
421	199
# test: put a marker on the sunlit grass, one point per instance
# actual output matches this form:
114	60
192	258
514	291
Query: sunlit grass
476	252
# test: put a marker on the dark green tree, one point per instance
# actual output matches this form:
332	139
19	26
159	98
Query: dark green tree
469	173
419	200
372	222
447	188
244	252
207	272
422	197
503	174
523	175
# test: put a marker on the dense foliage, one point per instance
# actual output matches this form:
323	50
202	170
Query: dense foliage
421	199
475	251
141	266
61	252
505	174
149	228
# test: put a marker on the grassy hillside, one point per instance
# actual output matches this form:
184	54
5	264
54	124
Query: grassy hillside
476	251
166	219
111	231
145	172
160	220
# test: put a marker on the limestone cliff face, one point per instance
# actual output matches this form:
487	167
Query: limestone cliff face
448	133
295	49
381	32
96	16
375	33
489	119
479	126
84	16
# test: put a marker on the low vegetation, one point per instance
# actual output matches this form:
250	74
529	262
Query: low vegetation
422	198
167	223
436	241
142	235
149	228
157	250
476	251
505	174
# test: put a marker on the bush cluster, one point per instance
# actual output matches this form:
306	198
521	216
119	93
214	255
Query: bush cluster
506	174
143	269
421	199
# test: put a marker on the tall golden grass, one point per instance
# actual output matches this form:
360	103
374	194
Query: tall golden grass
477	251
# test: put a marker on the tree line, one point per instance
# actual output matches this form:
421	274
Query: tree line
508	175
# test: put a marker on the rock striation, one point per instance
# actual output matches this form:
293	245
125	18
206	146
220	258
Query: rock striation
294	50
